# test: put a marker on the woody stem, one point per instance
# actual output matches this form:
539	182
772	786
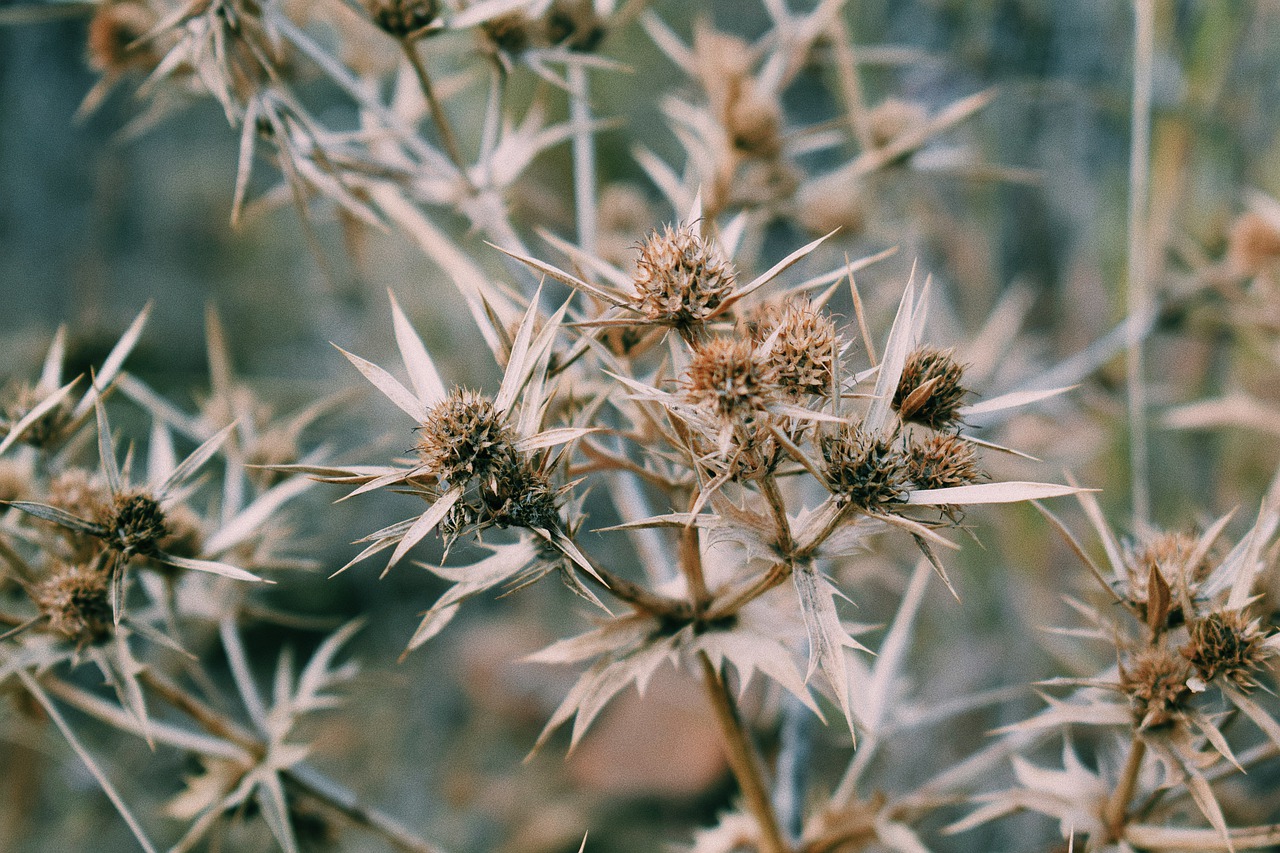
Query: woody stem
1118	807
447	137
743	759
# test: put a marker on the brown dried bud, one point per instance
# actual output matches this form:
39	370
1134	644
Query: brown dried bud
942	462
680	278
402	18
510	33
46	431
729	378
135	524
894	118
930	390
1226	644
1253	246
76	601
803	349
575	24
464	437
1170	555
864	469
1155	680
113	44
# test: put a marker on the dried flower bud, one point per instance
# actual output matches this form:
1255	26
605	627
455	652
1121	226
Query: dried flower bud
930	390
680	278
1253	246
463	437
863	468
575	24
76	601
1170	555
1226	644
46	431
803	351
728	377
113	39
754	122
510	33
942	462
401	18
135	524
1155	680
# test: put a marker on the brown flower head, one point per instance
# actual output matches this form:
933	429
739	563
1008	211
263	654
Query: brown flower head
941	462
401	18
575	24
47	431
863	468
463	437
135	524
1155	679
115	40
729	378
930	390
510	33
76	601
681	279
1170	554
803	352
1227	644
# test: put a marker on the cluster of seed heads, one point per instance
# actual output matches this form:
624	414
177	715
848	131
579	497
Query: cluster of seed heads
464	442
931	390
804	346
1155	679
864	468
1227	645
402	18
135	524
680	278
729	378
1171	555
942	461
76	603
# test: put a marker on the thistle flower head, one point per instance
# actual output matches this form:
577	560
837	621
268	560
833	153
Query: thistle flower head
1170	554
400	18
135	524
47	430
76	602
575	24
1227	644
930	392
1155	679
114	42
463	436
680	278
864	468
728	377
803	351
942	461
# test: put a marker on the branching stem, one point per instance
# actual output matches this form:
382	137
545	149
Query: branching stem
438	115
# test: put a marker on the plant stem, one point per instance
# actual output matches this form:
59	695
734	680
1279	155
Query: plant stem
1137	296
584	157
743	759
1118	808
447	137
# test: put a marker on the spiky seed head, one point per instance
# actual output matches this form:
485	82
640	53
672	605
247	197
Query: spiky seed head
401	18
681	278
931	389
754	122
1170	554
463	436
47	430
76	601
728	377
1227	644
575	24
519	496
114	42
510	33
135	524
79	492
864	468
1155	679
803	352
942	461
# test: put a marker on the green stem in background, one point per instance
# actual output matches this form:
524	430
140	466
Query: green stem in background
447	136
584	157
1138	301
743	759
